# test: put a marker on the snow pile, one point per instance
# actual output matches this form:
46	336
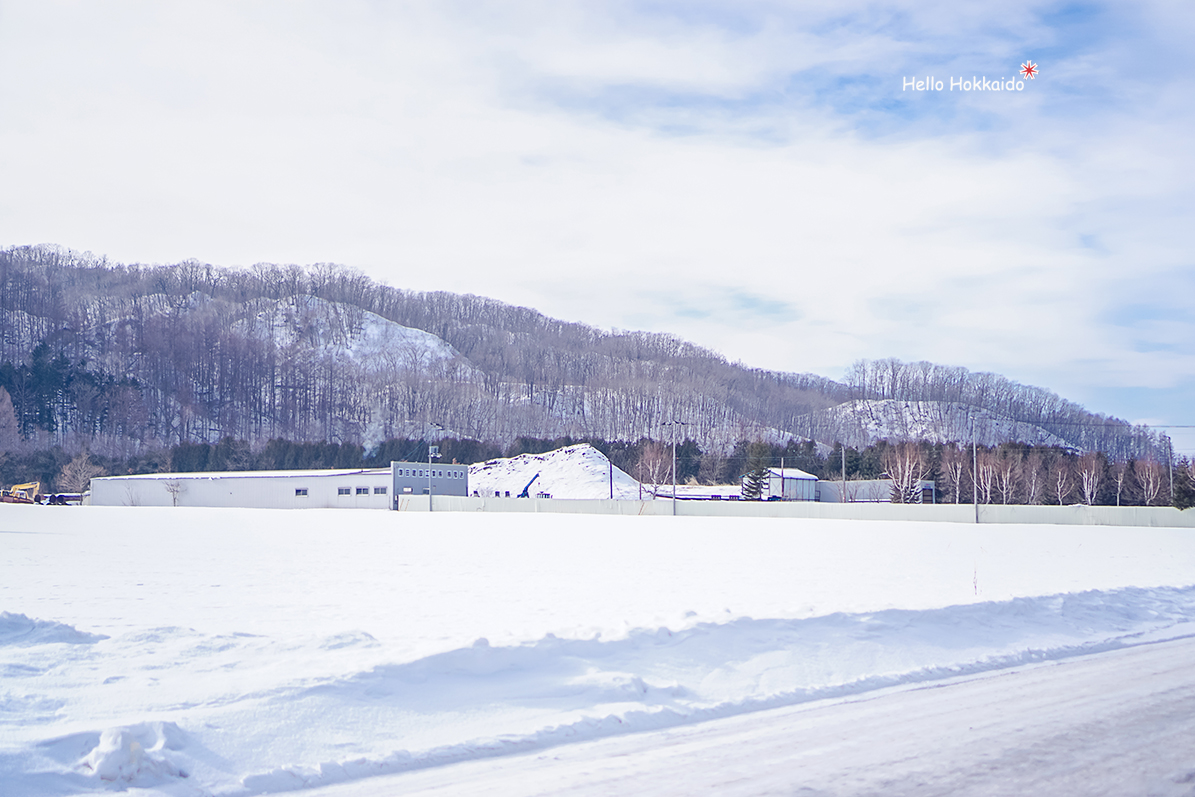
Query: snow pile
579	471
17	629
140	755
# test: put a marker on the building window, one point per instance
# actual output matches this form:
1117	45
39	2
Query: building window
300	491
344	490
379	491
362	491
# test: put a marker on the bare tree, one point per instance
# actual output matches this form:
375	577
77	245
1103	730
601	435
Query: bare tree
77	474
986	472
1119	471
653	466
1008	471
1033	472
1091	474
906	467
175	488
1150	475
10	428
1062	478
953	466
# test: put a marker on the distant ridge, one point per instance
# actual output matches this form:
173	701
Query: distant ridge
123	357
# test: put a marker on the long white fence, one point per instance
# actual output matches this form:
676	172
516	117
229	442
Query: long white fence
944	513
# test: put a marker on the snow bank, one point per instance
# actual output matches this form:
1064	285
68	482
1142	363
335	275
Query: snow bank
500	700
140	755
579	471
17	629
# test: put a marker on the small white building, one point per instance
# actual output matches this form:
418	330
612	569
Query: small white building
787	484
790	484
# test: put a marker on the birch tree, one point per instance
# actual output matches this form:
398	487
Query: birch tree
906	466
1149	475
1008	471
1091	475
1062	478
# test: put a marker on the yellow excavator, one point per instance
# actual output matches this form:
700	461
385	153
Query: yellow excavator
27	493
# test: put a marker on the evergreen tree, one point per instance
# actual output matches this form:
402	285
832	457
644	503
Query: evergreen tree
688	460
1184	484
758	461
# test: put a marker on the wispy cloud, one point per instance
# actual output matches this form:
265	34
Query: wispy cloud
749	175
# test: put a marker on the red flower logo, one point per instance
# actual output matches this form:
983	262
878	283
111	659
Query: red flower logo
1029	69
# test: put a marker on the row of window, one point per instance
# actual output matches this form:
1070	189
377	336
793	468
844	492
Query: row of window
438	474
300	491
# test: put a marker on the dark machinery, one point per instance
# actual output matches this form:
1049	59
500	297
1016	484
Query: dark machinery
527	490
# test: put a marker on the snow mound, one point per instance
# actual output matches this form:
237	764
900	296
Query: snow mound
19	630
579	471
146	754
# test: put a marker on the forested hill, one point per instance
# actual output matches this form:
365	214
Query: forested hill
123	357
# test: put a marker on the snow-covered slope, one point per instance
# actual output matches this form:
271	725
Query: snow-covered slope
863	422
579	471
340	329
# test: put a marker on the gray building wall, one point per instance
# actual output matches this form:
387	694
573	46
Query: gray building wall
410	478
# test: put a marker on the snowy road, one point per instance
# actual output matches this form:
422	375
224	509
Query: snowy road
1115	723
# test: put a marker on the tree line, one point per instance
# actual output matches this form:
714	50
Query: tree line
123	360
1010	473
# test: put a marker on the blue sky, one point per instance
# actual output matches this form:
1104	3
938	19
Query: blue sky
750	176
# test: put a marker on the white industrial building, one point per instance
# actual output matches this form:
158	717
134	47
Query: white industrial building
869	491
362	488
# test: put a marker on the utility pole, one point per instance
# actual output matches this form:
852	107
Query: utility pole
1170	465
674	424
974	468
433	452
674	472
842	446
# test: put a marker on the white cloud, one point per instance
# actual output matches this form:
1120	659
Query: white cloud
677	170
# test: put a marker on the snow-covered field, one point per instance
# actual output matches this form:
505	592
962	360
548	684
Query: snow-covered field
196	651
